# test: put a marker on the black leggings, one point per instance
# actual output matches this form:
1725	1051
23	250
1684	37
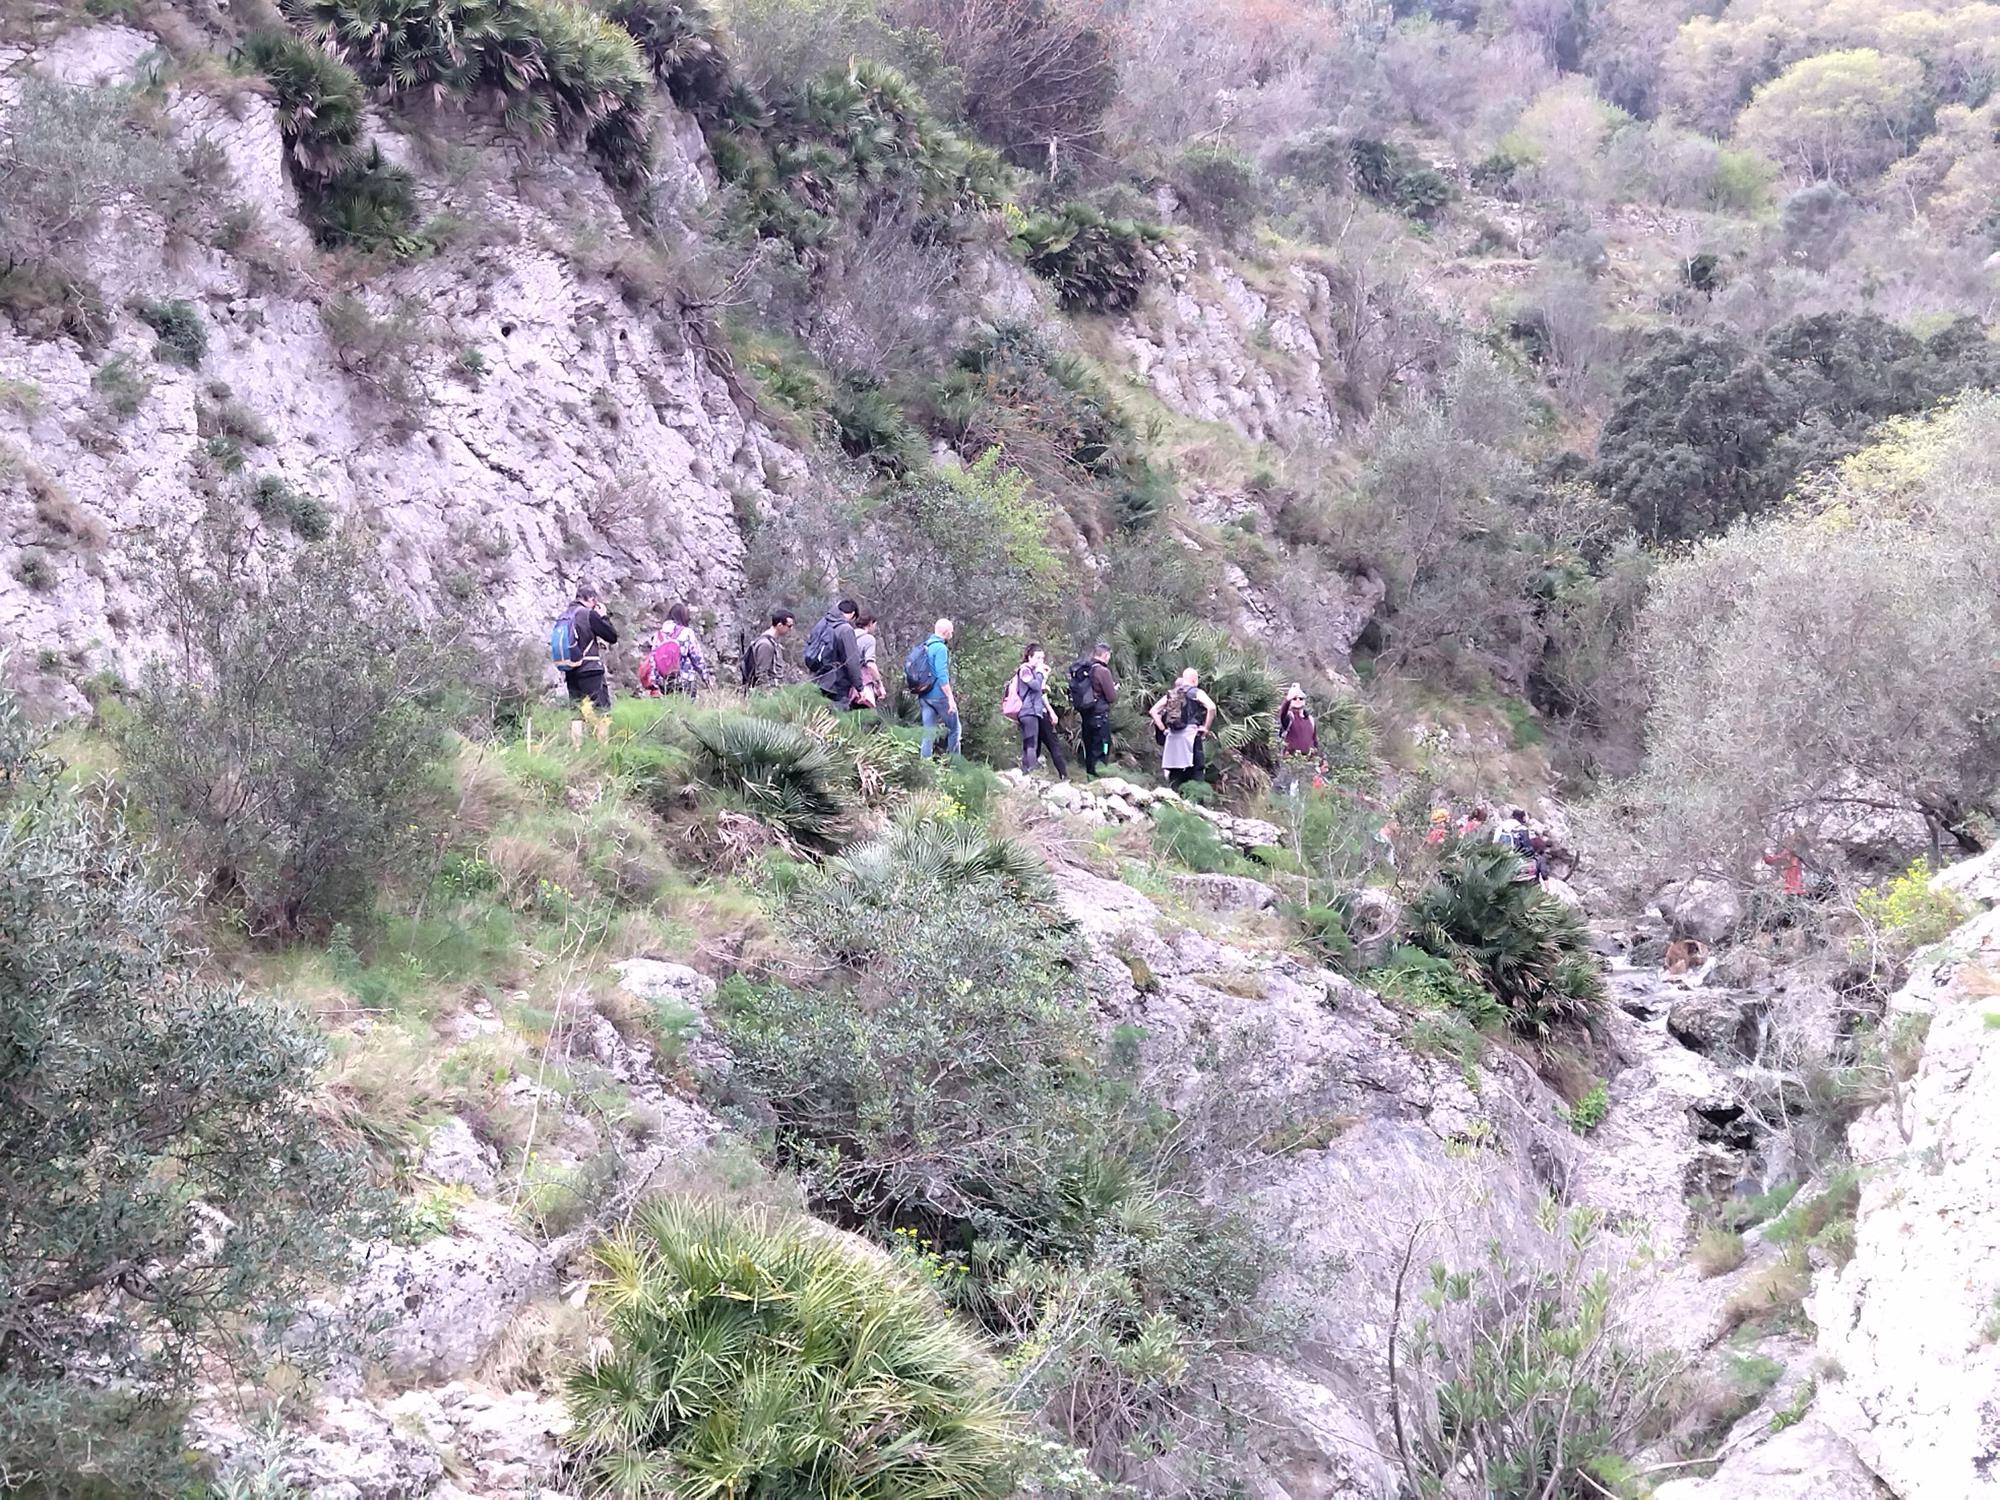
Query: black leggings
1036	733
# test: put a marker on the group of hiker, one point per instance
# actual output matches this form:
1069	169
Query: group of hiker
1513	828
840	658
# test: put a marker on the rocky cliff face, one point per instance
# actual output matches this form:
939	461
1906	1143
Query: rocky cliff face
1906	1395
501	418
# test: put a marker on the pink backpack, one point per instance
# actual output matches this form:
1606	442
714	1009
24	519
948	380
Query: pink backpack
666	658
1010	701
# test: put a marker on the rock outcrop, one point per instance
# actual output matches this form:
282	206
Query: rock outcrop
1909	1323
500	418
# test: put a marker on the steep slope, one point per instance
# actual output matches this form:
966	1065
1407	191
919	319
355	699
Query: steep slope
500	418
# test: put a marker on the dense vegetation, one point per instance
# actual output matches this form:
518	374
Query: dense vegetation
1647	389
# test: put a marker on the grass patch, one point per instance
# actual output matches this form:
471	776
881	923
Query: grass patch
1717	1251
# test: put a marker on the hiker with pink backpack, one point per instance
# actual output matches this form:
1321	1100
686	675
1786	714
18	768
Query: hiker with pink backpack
1026	702
674	663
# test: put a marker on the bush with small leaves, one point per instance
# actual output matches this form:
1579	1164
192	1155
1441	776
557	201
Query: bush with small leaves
212	1202
1218	188
67	155
1513	1377
121	385
281	760
33	567
183	336
753	1355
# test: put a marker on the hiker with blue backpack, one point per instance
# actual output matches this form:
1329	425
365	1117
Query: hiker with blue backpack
576	646
674	663
927	673
1026	702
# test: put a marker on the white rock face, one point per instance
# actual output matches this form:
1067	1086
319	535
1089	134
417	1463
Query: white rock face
1215	348
458	1157
1807	1462
595	440
1918	1393
441	1304
1707	910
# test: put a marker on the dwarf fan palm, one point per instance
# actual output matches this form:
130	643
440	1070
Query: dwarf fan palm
752	1356
1520	942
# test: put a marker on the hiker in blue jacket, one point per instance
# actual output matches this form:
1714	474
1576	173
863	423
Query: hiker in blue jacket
937	697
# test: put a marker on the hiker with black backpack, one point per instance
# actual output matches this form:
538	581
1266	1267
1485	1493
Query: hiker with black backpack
760	659
1092	691
1027	704
1183	717
576	646
927	673
833	656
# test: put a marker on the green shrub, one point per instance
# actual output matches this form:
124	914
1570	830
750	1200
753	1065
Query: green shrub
319	100
183	337
854	143
753	1356
1525	946
1515	1381
1095	264
1326	934
783	775
1217	186
563	71
1187	838
283	761
1588	1112
946	1078
211	1193
121	385
1908	911
678	40
275	497
367	204
1388	175
1717	1251
34	568
1428	982
351	195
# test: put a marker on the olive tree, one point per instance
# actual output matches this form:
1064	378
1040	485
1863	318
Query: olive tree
1843	115
283	751
165	1187
1834	661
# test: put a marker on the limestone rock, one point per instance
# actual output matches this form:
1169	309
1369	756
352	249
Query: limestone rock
1226	895
441	1304
1716	1023
1975	881
1919	1393
458	1157
593	440
1809	1461
1707	910
355	1452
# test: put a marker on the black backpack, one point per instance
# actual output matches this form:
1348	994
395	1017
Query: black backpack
1179	712
1082	684
917	675
819	647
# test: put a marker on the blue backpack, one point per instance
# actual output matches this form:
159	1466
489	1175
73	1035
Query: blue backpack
562	640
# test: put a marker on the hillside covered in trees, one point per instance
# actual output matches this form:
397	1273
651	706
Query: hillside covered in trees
1586	403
